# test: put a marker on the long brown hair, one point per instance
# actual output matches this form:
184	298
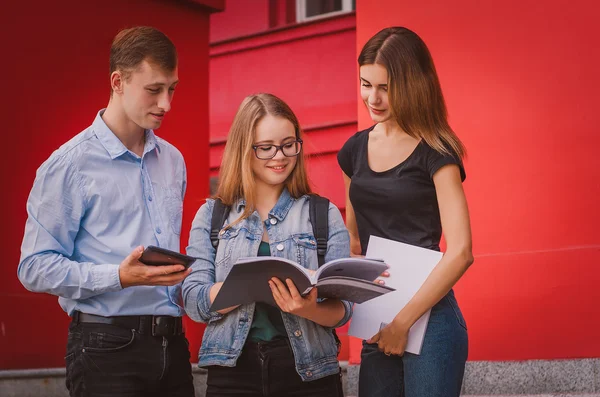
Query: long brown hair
415	96
236	179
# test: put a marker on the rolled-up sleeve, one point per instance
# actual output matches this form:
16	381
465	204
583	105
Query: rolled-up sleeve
196	287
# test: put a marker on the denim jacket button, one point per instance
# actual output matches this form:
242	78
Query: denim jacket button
308	373
273	221
279	247
298	333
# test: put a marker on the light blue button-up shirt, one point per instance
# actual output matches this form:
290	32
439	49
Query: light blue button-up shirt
93	201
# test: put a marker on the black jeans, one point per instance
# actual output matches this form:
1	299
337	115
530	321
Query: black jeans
268	369
108	360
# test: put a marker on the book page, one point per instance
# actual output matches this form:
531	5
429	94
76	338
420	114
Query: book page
409	267
350	289
360	268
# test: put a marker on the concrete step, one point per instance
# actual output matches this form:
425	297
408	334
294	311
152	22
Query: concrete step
531	395
542	378
536	378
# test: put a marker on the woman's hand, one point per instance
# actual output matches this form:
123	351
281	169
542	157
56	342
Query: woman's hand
384	274
392	338
289	299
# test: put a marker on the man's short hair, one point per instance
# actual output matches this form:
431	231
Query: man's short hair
134	45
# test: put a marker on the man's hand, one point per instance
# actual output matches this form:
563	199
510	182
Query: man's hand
133	272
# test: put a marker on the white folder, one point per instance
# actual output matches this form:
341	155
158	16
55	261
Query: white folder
409	267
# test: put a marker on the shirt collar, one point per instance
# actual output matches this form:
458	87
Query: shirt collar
112	144
151	142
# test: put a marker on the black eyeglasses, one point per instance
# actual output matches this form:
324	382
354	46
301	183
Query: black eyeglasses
268	151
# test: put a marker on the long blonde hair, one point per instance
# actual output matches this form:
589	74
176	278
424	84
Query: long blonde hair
415	95
238	154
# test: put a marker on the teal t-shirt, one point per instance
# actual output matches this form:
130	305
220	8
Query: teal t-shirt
267	324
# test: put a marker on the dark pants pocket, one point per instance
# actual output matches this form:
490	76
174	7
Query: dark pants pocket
104	349
106	360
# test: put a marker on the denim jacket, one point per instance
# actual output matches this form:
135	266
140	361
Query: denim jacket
290	236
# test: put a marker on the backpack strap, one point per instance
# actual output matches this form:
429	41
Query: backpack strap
219	215
319	219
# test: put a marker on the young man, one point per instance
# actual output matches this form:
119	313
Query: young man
95	203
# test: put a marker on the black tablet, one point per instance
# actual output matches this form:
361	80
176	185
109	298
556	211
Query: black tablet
156	256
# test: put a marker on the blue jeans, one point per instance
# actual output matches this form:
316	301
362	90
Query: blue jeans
437	372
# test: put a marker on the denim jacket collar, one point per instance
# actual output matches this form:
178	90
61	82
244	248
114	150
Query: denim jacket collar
283	205
281	209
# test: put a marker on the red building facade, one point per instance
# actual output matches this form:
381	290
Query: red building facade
520	85
55	68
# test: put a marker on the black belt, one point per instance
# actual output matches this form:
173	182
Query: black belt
158	325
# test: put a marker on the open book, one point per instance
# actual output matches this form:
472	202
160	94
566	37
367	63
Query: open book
347	278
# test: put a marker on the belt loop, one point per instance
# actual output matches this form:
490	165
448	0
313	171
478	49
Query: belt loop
143	325
76	317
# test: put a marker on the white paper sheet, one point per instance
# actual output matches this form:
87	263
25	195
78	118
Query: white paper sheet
409	267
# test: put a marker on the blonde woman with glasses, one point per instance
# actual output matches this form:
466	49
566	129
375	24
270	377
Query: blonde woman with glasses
258	349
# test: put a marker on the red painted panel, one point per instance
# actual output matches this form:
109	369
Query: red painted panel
216	155
318	95
282	12
327	139
34	330
285	34
326	178
211	5
521	85
58	81
532	305
240	18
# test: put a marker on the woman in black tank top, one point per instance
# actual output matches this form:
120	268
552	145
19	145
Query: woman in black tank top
403	180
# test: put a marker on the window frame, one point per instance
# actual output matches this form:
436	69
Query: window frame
301	11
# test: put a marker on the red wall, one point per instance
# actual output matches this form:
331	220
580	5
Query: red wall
241	17
301	64
521	83
55	75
